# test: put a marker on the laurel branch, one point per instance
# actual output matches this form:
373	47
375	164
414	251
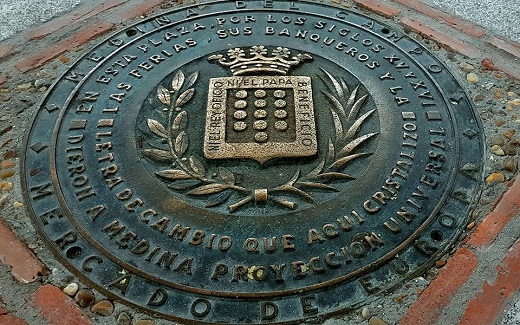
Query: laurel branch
188	173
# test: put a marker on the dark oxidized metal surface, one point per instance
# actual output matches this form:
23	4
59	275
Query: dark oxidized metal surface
253	162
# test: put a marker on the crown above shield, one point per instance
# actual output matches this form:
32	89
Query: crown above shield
256	59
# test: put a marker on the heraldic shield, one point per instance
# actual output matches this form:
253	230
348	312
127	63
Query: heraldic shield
260	112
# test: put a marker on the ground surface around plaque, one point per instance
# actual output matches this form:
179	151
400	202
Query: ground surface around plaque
235	163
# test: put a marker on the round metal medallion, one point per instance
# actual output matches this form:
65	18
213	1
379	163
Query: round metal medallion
253	162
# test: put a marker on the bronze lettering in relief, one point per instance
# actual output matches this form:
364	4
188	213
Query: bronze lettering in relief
277	160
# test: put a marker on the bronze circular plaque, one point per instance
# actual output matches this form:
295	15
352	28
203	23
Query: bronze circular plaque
253	162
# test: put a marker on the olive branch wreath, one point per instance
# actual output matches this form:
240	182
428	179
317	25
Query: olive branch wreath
188	173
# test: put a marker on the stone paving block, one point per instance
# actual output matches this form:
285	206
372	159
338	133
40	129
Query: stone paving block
507	208
445	39
452	277
141	8
379	7
487	305
453	21
5	49
57	308
84	35
508	46
8	319
26	267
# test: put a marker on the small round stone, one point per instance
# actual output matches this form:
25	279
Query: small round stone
240	115
375	320
6	186
241	94
510	149
466	67
497	141
509	133
472	77
240	104
39	82
510	164
85	298
260	93
280	114
239	126
71	289
499	122
365	313
260	113
497	150
17	204
280	103
260	125
103	307
261	137
24	86
260	103
280	94
281	126
144	322
5	164
124	319
64	59
440	263
479	98
495	178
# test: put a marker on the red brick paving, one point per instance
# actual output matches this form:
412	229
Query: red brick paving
141	9
452	277
506	208
86	34
448	41
487	305
508	46
453	21
74	18
57	308
7	319
379	7
5	49
26	267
